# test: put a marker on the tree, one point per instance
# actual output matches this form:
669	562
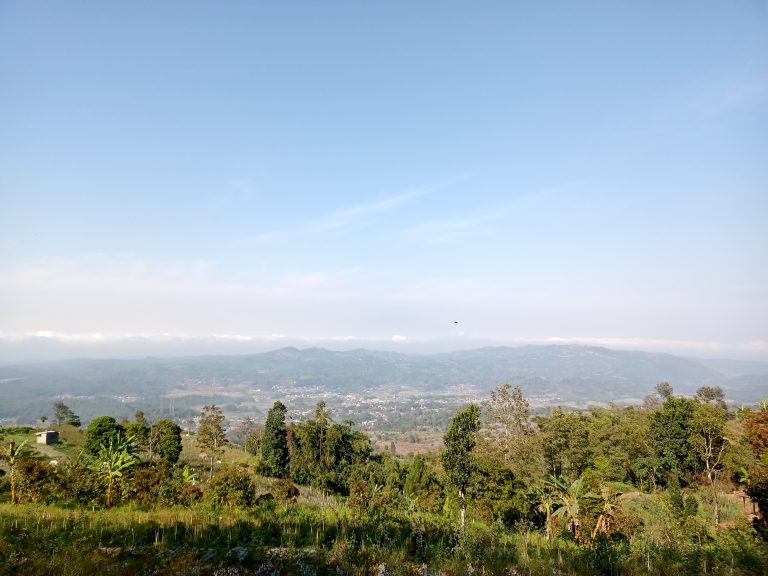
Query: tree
241	431
422	485
323	452
457	457
664	390
166	439
274	445
707	438
756	429
565	436
210	432
13	456
508	411
99	433
112	460
712	395
670	431
139	431
64	415
511	433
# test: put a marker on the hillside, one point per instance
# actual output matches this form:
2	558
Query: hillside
246	384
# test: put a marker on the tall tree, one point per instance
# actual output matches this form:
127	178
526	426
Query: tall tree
241	430
670	430
274	444
63	415
709	441
457	456
712	395
508	411
507	416
210	432
664	390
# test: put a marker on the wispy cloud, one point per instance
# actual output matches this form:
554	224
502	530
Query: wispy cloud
349	217
358	213
482	219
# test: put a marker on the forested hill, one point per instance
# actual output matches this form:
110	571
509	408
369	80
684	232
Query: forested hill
552	374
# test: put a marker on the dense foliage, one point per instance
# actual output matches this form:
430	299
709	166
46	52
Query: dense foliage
658	489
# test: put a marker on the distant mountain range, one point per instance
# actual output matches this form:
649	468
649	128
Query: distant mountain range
549	374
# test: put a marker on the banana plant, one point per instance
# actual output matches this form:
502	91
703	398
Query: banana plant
112	461
13	455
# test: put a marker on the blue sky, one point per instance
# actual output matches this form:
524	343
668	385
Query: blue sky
367	173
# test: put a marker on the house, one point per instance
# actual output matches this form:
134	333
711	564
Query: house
47	437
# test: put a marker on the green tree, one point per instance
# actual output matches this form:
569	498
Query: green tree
323	452
492	489
457	456
63	415
670	431
166	439
210	433
618	440
422	484
565	436
139	431
99	433
274	444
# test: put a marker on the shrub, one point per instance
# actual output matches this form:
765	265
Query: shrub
231	487
155	484
38	482
285	490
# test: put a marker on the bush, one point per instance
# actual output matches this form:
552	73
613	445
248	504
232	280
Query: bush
37	482
231	487
285	490
155	484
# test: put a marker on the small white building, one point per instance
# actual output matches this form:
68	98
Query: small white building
47	437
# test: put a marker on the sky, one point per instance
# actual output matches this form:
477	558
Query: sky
404	175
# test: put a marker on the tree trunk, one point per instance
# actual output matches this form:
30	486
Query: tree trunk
13	486
463	508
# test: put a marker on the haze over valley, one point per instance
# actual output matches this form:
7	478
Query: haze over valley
376	389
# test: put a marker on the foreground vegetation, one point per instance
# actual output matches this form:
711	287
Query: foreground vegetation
637	490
